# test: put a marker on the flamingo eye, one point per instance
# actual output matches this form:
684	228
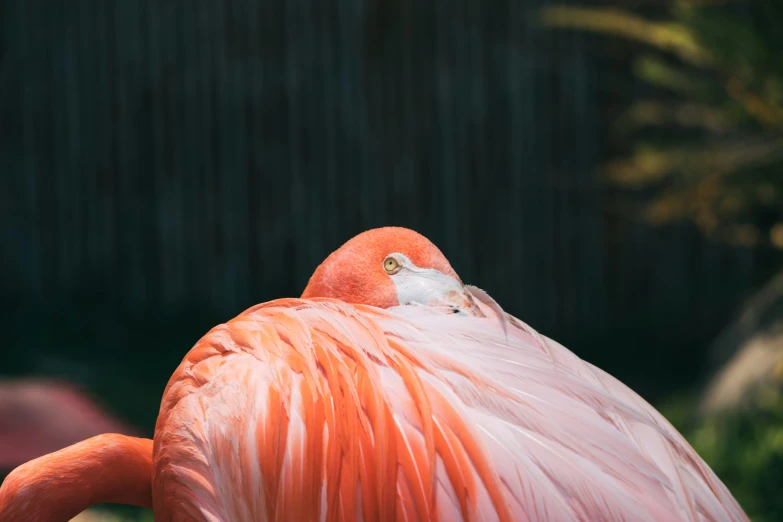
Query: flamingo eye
391	265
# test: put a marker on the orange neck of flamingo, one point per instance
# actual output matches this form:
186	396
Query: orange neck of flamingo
108	468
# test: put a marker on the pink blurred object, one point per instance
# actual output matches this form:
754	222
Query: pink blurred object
39	416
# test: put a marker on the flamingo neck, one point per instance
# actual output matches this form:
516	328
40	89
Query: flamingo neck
107	468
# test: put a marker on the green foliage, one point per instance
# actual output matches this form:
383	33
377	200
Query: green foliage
744	447
708	146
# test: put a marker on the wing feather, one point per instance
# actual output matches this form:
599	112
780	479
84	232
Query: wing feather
318	410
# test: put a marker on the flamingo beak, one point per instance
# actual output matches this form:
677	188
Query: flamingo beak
432	287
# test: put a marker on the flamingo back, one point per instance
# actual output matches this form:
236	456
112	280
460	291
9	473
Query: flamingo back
316	410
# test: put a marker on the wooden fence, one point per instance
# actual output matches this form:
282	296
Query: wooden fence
159	153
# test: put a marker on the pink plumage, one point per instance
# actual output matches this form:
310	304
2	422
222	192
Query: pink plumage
302	410
390	392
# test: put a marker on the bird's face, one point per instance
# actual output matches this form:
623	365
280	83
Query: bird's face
388	267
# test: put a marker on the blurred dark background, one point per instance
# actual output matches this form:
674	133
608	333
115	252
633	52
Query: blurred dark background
610	173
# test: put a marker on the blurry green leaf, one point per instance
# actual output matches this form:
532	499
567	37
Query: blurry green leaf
652	113
671	37
744	447
764	112
737	43
649	164
655	72
645	166
729	85
776	235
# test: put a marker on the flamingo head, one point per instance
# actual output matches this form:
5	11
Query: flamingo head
388	267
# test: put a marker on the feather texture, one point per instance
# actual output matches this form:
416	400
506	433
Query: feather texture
316	410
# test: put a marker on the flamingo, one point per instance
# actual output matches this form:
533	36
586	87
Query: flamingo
390	391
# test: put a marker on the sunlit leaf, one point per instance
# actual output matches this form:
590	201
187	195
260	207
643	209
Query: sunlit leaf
651	113
655	72
776	237
671	37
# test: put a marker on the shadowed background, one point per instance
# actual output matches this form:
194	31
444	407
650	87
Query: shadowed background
167	164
